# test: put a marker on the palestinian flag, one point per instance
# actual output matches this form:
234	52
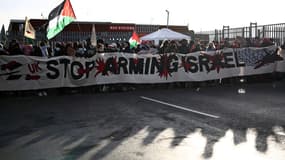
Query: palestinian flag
60	17
134	40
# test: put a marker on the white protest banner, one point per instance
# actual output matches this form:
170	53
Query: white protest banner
27	72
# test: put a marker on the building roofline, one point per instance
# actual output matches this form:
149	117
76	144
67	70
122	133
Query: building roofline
94	22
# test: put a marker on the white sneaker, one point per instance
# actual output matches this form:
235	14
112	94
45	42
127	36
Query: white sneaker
241	91
40	94
44	93
105	88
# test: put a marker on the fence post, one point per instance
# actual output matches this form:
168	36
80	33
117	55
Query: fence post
251	28
226	28
216	35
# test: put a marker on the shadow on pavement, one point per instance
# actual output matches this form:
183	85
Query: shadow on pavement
106	127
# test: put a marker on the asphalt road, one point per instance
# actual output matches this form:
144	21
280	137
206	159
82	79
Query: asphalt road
147	124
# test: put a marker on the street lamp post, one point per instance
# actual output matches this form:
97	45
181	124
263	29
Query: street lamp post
167	18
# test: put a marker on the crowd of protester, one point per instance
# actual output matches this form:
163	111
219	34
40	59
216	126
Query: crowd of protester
85	49
193	46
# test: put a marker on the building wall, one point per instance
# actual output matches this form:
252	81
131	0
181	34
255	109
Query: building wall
78	31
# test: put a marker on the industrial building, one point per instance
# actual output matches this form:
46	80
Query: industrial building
78	31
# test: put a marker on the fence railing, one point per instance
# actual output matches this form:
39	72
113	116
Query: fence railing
276	32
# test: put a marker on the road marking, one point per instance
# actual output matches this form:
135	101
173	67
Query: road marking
179	107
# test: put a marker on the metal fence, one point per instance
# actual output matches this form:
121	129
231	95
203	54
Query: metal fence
276	32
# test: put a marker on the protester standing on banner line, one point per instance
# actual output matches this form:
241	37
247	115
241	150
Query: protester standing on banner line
70	50
44	49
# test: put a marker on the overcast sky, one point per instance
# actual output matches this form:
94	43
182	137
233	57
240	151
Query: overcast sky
199	15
